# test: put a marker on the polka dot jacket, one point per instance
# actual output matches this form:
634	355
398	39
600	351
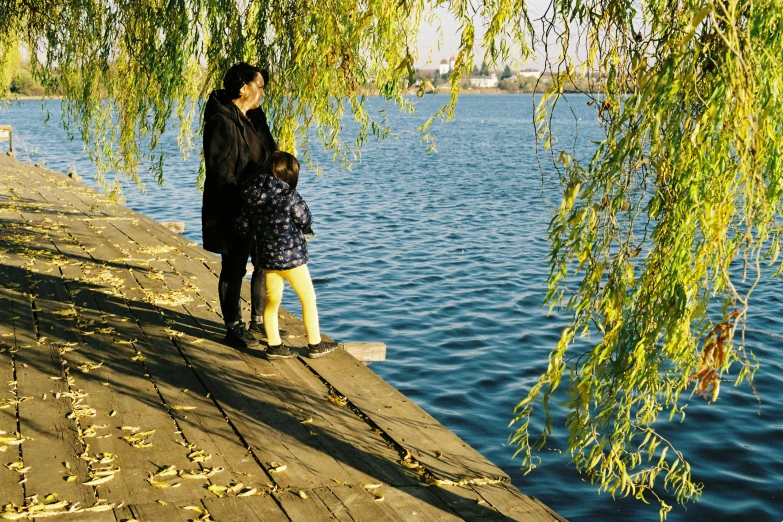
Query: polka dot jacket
279	218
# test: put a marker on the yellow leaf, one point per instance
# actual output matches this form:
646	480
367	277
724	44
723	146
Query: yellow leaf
302	494
99	480
178	407
247	492
219	491
97	508
56	506
167	471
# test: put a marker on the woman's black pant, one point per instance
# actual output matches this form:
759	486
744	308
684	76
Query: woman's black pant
232	271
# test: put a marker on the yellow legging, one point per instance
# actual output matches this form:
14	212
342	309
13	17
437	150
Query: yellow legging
300	281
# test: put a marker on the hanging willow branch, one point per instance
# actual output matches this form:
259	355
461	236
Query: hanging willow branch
644	246
686	184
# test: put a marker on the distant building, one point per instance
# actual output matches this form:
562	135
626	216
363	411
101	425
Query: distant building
444	67
484	82
452	61
529	73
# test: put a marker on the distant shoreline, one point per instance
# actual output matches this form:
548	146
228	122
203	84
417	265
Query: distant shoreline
408	92
22	97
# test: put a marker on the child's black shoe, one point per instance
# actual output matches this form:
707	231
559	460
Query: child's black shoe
278	351
238	337
315	351
258	330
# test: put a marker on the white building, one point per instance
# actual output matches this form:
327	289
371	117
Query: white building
444	67
529	73
486	82
452	61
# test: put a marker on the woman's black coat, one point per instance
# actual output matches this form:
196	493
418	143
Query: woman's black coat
232	143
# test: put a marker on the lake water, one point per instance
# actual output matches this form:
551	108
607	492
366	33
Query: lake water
442	256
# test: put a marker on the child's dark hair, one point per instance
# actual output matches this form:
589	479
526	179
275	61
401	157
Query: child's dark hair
284	166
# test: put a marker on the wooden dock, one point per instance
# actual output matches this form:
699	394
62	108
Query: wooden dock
119	402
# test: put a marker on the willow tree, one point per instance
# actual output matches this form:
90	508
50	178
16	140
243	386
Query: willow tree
686	182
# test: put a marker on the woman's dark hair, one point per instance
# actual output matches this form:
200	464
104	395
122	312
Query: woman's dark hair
239	75
284	166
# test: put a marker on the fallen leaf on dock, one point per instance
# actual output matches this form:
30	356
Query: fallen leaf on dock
378	496
338	400
167	471
219	491
277	468
99	480
18	466
308	420
248	492
302	494
178	407
158	483
199	456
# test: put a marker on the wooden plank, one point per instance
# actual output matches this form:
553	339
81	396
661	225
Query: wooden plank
53	438
250	509
128	392
155	512
343	434
335	506
214	431
418	503
363	505
13	491
406	423
300	509
516	505
366	352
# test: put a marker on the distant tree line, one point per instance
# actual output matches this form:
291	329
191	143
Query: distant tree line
24	82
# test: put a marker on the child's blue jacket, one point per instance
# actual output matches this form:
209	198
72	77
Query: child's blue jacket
279	218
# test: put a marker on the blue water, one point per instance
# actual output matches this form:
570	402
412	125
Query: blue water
442	256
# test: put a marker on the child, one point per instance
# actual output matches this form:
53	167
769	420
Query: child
279	218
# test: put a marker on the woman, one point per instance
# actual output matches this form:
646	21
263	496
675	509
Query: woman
236	137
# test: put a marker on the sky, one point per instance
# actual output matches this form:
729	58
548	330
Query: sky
431	52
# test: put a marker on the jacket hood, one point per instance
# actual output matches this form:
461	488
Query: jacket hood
219	102
265	187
